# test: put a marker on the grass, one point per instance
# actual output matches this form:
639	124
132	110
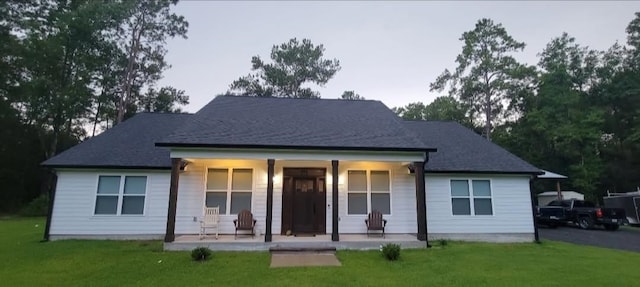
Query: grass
24	261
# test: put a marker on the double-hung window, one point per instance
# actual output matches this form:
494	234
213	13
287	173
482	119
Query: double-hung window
368	190
471	197
229	189
120	195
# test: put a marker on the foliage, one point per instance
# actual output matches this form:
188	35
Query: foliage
487	79
142	263
65	65
37	207
351	95
390	251
444	108
443	243
201	254
294	64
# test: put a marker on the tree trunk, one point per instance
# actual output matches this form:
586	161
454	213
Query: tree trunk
133	54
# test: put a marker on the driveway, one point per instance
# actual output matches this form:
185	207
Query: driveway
626	238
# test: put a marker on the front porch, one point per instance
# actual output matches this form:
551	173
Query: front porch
257	243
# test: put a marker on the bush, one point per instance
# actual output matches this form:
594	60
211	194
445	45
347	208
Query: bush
37	207
391	251
201	254
443	242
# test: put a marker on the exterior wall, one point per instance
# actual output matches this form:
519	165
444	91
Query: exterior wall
73	212
76	194
511	210
191	195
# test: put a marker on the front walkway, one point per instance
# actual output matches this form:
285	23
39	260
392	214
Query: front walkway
247	243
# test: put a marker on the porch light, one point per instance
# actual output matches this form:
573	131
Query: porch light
276	179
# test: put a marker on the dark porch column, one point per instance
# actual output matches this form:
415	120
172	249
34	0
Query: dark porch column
533	211
334	201
173	200
421	203
270	172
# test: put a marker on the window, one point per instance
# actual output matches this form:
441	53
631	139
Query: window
120	195
368	191
229	189
471	197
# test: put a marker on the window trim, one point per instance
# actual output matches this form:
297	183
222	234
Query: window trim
368	192
229	187
121	195
471	197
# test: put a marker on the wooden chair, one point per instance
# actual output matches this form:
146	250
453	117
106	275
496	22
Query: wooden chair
245	221
211	219
375	222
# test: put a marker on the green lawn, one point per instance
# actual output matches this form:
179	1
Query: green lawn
24	261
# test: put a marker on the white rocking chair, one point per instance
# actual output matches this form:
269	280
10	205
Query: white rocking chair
211	220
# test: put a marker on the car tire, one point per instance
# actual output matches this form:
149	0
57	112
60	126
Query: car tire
585	222
611	227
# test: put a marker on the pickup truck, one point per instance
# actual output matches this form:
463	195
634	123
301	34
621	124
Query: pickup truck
585	214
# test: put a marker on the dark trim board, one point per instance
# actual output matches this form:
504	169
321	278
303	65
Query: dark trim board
428	171
161	144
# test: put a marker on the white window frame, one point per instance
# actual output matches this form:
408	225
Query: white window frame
368	192
471	197
229	189
121	195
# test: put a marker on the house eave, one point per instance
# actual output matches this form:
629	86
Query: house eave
292	147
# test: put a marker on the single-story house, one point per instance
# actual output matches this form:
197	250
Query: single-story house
301	166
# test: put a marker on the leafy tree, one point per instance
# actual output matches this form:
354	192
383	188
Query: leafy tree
294	64
443	108
148	25
412	111
164	100
487	75
351	95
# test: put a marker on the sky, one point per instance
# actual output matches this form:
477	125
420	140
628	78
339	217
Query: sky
388	51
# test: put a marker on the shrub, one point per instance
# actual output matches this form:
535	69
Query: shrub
37	207
443	242
201	254
391	251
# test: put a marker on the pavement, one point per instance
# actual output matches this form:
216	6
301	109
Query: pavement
626	238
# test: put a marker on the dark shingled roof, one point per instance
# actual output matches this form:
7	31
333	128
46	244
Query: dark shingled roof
130	144
230	121
462	150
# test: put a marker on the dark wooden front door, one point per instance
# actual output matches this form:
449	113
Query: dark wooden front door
303	201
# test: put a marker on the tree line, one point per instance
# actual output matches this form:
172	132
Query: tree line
70	69
576	112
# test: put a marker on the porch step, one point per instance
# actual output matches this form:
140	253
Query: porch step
302	249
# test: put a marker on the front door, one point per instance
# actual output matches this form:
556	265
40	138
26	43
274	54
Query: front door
303	201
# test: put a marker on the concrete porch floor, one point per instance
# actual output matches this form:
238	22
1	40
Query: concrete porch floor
248	243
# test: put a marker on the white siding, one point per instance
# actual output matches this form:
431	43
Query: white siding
403	199
75	202
511	206
191	195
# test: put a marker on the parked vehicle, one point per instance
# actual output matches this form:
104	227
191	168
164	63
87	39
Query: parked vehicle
629	201
585	214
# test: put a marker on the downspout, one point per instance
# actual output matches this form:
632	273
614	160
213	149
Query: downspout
533	210
52	197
